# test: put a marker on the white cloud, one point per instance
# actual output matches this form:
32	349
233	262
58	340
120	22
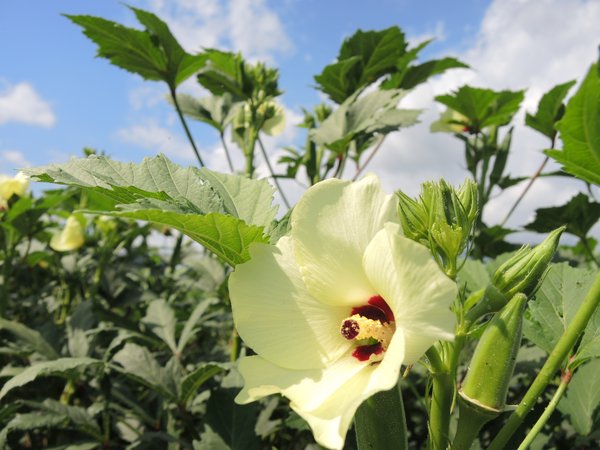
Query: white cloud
11	160
151	136
21	103
520	44
249	26
147	95
255	30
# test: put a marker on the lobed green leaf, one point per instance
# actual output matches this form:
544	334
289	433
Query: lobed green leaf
580	131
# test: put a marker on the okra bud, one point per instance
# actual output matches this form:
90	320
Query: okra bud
484	389
494	359
525	270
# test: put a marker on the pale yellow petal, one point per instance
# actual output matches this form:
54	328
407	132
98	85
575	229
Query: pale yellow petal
419	293
277	317
71	237
10	186
327	399
332	225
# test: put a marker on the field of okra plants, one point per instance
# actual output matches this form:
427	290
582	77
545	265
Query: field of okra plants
155	306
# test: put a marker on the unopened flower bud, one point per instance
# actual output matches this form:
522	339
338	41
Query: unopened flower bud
413	218
442	219
525	270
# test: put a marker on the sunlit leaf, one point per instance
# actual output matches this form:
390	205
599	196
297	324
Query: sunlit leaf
190	327
160	319
483	107
31	337
225	213
579	215
364	57
550	110
374	112
153	53
139	364
202	373
582	399
61	366
556	303
580	132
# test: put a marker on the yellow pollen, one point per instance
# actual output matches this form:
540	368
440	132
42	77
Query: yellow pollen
357	327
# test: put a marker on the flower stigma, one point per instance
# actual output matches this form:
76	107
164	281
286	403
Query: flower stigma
372	326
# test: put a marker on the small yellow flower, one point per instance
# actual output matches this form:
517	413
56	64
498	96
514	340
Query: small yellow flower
71	237
10	186
275	124
337	307
451	122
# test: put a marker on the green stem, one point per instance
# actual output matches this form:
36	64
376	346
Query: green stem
483	197
229	161
442	396
370	157
380	422
249	152
176	255
272	172
586	245
531	181
470	421
552	364
185	127
562	387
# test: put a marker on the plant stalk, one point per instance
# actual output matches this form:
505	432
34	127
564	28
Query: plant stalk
370	157
562	387
552	364
185	127
229	161
380	422
531	181
442	396
272	172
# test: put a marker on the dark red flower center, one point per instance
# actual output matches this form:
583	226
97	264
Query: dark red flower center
373	321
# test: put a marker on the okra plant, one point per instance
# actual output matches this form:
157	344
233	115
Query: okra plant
157	306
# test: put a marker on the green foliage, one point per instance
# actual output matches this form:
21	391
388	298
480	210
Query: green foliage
216	111
232	422
225	213
582	399
128	341
483	107
154	53
579	215
550	110
228	73
580	133
358	119
556	302
367	56
61	366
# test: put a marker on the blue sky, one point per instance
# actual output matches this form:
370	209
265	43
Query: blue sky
56	97
90	100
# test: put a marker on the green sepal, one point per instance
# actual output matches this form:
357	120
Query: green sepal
525	270
472	417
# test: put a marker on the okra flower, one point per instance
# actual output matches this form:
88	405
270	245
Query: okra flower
10	186
71	237
338	306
